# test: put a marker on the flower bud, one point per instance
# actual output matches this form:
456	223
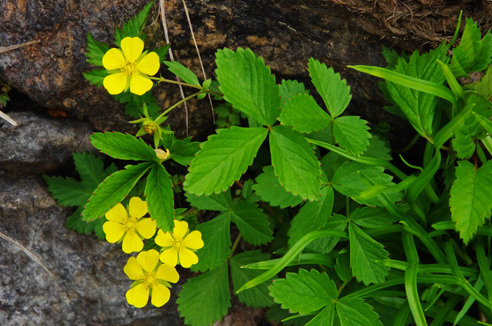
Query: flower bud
161	154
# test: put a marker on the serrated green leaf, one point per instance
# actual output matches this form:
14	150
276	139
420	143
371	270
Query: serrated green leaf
217	240
248	84
366	257
223	158
333	90
325	245
68	192
312	216
134	26
96	76
351	133
294	163
205	299
113	190
95	51
324	318
378	149
76	223
252	223
258	295
162	52
304	114
182	72
90	168
470	198
484	86
352	178
183	151
160	198
269	189
123	146
304	292
342	267
289	88
372	218
215	202
354	312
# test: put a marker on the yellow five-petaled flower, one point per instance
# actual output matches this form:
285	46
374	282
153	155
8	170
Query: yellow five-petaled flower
151	277
129	226
179	246
129	68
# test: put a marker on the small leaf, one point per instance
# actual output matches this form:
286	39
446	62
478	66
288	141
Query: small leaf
354	312
123	146
162	52
205	299
325	245
182	72
252	223
95	51
135	26
304	114
289	88
96	77
372	218
160	197
378	149
269	189
294	162
351	133
224	157
219	202
343	266
183	151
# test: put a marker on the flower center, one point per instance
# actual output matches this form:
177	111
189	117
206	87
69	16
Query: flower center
178	244
150	128
129	225
131	68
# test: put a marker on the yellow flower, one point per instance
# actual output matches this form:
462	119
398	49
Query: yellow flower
129	67
179	246
129	227
150	277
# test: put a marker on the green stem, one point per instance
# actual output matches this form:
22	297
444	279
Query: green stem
175	105
406	148
234	246
341	287
161	79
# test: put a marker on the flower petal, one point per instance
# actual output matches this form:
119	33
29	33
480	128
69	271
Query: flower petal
164	239
132	242
167	273
180	229
133	270
140	84
137	207
117	214
160	295
146	227
148	259
138	296
149	64
132	48
193	240
113	59
187	257
115	83
170	257
114	231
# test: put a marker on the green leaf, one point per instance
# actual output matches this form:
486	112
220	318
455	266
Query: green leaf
269	189
96	76
294	162
366	257
351	133
257	296
183	151
162	52
324	318
113	190
304	292
378	149
123	146
333	90
304	114
68	192
372	218
182	72
484	86
215	202
76	223
352	178
289	88
223	158
134	26
325	245
252	223
160	198
470	198
217	239
343	266
312	216
95	51
248	84
354	312
205	299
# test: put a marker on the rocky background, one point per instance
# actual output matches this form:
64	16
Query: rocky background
56	110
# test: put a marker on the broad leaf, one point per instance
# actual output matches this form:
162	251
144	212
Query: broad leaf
256	296
252	223
304	114
160	197
289	88
366	257
217	239
183	151
372	218
351	133
205	299
294	162
354	312
113	190
123	146
215	202
182	72
304	292
248	84
223	158
333	90
269	189
470	198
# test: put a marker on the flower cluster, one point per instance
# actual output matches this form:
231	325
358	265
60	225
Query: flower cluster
151	271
